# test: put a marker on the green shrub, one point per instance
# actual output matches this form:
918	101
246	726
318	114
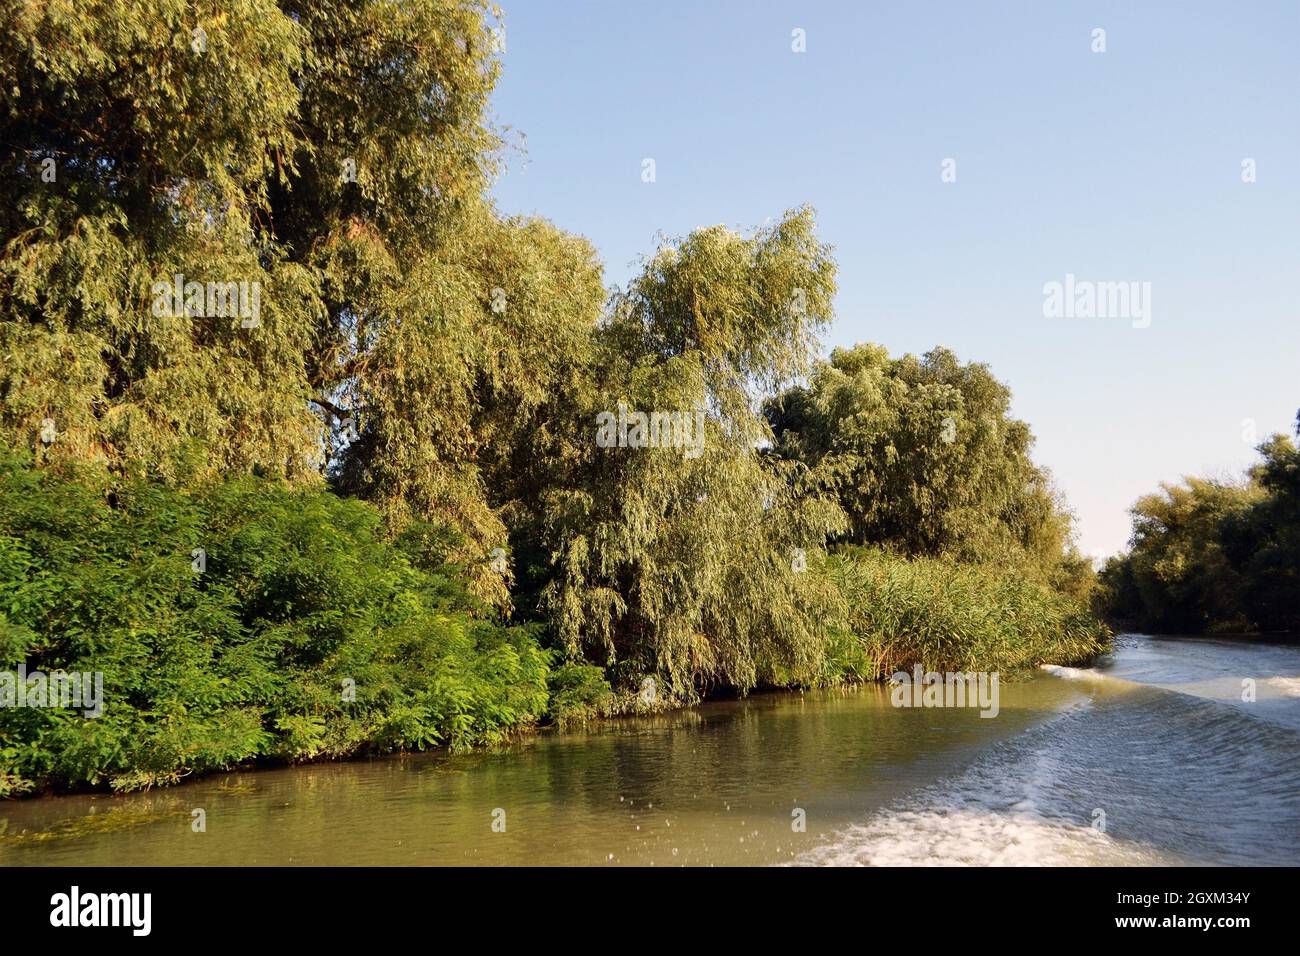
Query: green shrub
578	692
306	633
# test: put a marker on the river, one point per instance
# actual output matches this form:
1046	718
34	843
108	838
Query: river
1150	757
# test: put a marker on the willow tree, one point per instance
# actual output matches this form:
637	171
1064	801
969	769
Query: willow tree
924	457
139	143
684	556
441	324
333	158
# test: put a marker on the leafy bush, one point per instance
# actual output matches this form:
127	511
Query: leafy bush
578	692
301	606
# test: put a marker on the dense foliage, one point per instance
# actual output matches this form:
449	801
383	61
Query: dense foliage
392	456
1210	555
947	616
925	459
670	562
297	631
333	153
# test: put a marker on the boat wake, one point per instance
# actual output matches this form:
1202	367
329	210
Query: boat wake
1131	775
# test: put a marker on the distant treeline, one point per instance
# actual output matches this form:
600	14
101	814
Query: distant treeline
445	484
1210	555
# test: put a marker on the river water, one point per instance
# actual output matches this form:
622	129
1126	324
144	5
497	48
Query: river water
1150	757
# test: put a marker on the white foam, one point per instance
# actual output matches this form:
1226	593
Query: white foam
999	812
974	837
1072	673
1289	686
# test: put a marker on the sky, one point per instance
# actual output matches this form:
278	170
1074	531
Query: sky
1119	166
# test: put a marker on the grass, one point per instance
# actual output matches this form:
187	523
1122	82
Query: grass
953	617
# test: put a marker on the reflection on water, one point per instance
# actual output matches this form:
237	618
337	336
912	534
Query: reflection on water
1179	775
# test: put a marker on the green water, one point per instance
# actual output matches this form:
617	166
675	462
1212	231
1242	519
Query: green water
714	784
728	783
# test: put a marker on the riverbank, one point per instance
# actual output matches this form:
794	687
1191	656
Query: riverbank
629	708
252	622
1182	770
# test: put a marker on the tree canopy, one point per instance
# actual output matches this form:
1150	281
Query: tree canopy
1212	554
923	456
249	264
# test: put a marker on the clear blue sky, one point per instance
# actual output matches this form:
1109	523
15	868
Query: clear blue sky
1123	165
